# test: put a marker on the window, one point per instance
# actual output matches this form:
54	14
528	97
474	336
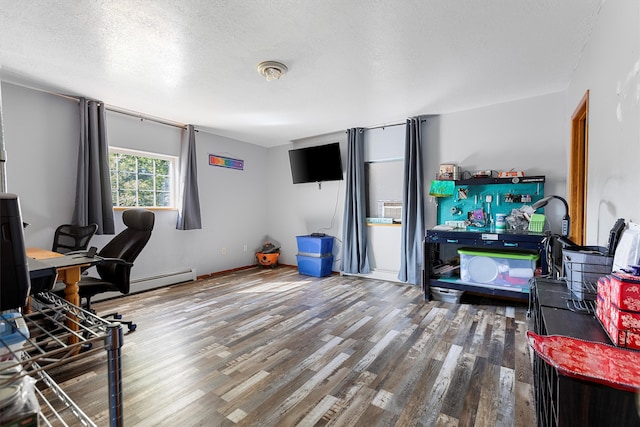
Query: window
384	170
142	179
384	184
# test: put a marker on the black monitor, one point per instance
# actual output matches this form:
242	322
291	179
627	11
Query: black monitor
316	164
14	272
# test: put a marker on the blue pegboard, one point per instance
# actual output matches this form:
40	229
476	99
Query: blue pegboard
472	195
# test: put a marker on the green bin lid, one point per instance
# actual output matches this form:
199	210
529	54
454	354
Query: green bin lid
505	254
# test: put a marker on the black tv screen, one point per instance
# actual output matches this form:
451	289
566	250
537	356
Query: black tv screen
316	164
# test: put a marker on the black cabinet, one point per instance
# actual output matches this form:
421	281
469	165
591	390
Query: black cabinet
566	401
438	242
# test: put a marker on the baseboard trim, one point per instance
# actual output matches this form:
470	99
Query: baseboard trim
379	274
153	282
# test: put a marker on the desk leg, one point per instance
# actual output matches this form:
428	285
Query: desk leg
71	279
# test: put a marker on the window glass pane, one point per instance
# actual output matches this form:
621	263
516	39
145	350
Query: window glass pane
385	183
127	163
145	198
145	165
145	182
127	198
163	167
163	199
114	180
163	183
141	179
127	180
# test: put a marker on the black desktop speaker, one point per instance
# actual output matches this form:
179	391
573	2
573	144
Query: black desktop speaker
14	271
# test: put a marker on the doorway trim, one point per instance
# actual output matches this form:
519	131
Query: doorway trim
578	160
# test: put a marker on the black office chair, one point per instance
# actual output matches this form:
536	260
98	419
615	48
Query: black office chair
69	238
114	269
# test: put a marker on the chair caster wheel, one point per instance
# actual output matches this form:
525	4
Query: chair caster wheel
117	316
133	327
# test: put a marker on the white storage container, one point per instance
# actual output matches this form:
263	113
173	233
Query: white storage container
510	269
446	295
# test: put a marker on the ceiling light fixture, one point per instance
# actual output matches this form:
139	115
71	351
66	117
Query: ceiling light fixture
272	70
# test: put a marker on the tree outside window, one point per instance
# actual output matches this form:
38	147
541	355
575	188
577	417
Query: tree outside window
141	179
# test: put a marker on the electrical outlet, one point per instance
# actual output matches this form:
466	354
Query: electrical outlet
245	248
223	251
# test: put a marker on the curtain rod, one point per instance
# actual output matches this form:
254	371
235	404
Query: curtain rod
362	129
385	126
144	117
108	107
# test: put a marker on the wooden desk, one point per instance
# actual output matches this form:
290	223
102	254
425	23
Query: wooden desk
69	269
69	274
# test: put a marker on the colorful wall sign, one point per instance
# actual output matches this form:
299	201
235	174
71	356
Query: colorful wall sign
226	162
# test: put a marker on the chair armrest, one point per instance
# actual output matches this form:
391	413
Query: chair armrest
80	252
118	261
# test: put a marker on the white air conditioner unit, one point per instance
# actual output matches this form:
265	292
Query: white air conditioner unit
390	209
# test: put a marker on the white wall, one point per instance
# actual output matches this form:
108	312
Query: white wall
527	135
609	69
300	209
262	203
41	140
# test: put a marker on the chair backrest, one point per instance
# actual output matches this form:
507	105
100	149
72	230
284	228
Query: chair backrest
127	245
68	237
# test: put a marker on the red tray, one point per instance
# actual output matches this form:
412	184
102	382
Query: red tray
601	363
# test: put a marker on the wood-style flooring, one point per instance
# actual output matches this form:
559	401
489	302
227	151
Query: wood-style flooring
270	347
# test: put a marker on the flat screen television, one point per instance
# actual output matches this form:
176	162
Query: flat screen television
316	164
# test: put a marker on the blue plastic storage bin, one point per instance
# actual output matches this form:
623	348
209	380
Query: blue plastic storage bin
13	334
315	245
315	266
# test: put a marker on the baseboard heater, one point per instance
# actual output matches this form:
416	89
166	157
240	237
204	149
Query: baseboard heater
378	274
153	282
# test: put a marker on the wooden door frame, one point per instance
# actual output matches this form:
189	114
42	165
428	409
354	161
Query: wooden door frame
578	160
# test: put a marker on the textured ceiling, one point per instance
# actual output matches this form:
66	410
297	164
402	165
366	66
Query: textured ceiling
351	62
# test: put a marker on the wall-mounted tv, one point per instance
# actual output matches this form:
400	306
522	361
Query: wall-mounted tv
316	164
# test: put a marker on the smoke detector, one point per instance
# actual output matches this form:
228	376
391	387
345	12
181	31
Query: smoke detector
272	70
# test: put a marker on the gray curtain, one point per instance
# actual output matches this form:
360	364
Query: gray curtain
355	258
412	206
93	202
189	200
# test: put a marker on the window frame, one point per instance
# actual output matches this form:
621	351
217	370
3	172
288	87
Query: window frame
173	176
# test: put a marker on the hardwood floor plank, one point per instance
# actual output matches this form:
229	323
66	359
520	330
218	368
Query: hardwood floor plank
446	421
524	411
270	347
489	397
452	403
508	348
318	412
506	398
496	343
472	395
440	386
